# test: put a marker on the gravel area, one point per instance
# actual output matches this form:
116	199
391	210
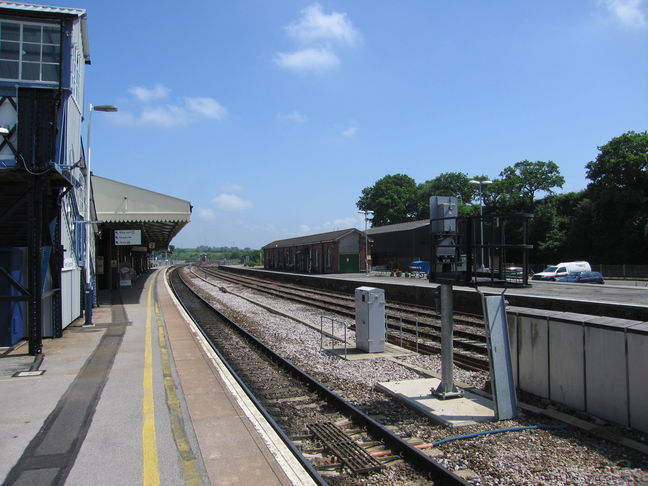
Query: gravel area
530	457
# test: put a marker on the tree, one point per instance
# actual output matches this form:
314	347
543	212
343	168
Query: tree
517	188
556	226
619	196
455	184
393	199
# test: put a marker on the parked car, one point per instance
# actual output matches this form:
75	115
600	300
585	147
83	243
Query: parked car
555	272
583	277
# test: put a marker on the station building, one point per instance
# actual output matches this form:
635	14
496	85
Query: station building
47	202
341	251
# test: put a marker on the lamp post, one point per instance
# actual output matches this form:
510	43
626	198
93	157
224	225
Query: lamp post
366	213
89	290
481	215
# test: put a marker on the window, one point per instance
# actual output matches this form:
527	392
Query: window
30	52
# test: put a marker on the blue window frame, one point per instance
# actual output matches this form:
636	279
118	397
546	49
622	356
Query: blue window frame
30	52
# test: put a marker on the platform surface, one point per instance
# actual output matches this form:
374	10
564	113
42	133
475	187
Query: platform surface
453	412
136	399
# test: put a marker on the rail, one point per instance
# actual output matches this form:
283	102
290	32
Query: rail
389	438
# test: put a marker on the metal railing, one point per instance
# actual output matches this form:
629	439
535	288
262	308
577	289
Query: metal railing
332	335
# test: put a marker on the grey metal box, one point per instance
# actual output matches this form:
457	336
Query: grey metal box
370	319
443	207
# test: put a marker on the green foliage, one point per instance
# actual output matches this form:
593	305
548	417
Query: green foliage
393	199
619	199
455	184
214	254
517	188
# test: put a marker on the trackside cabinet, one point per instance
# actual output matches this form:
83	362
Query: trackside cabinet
370	319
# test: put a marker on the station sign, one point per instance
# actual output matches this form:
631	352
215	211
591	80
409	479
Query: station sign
128	237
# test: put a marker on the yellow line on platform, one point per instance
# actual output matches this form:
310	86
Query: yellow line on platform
150	471
187	457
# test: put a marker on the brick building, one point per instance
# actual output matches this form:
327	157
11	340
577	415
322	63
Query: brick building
341	251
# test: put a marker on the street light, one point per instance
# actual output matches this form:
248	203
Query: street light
481	216
89	290
366	212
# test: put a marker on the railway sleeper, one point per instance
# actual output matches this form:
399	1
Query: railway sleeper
289	399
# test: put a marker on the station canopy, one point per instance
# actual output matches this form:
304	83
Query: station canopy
122	206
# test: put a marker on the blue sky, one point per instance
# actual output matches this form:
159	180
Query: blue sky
272	116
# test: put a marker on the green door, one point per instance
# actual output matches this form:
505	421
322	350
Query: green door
349	263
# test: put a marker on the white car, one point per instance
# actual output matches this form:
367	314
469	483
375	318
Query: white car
554	272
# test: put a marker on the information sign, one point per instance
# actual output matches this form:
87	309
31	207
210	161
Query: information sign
128	237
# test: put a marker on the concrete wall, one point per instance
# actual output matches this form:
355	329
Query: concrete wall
595	364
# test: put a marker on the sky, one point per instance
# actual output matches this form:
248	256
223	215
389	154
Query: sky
270	117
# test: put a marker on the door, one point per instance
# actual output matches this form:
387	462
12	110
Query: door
349	263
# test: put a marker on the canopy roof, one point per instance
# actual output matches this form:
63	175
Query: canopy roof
120	205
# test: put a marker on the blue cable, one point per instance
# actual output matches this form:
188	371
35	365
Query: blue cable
498	431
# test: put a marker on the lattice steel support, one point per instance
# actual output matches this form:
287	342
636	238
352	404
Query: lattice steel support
35	236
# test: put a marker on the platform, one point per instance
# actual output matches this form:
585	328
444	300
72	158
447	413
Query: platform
351	353
454	412
136	399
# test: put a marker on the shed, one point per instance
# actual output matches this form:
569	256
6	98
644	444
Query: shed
396	246
341	251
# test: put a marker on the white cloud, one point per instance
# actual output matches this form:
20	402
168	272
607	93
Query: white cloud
293	117
187	111
315	32
338	224
205	107
205	214
628	12
232	188
315	59
350	132
157	92
316	26
231	202
168	115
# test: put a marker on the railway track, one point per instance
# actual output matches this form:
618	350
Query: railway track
416	328
332	437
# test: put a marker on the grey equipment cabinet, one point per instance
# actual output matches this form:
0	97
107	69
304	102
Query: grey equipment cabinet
370	319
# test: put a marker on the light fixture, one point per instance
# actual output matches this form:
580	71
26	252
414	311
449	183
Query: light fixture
366	212
481	216
89	290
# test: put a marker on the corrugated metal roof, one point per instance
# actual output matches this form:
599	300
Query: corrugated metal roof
119	202
311	239
391	228
32	9
43	8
